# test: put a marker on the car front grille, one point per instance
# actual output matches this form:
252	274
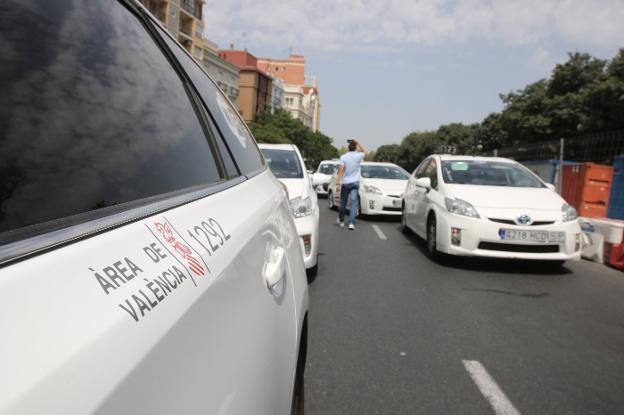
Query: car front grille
533	249
392	209
511	222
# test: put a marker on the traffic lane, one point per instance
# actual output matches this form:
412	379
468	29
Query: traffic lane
553	336
376	332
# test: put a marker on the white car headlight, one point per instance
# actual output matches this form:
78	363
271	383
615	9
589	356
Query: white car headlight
568	212
301	207
460	207
372	189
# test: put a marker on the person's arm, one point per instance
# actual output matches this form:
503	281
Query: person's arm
360	147
339	175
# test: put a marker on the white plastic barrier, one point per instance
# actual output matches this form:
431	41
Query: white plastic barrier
597	231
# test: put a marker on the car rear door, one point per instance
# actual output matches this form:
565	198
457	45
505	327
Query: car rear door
146	265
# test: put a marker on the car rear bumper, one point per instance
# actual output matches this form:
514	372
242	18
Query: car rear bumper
480	237
308	227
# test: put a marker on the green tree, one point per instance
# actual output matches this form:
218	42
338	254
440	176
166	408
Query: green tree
268	133
415	147
388	153
282	128
603	101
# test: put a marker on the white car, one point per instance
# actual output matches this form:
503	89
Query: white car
149	262
381	189
287	165
322	176
492	207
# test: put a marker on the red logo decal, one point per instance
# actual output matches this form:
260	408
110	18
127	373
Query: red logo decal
180	248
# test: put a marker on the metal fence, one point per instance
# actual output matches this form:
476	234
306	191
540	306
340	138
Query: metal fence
562	163
599	148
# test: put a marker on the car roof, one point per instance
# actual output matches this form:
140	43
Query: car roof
378	163
449	157
290	147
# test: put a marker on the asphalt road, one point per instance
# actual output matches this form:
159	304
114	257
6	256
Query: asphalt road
392	332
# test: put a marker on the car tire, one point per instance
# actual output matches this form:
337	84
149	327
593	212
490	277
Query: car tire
298	399
298	407
358	211
311	272
432	230
404	228
330	200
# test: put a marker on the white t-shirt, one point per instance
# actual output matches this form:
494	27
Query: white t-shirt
352	164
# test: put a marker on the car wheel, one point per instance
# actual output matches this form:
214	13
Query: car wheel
298	399
330	200
358	211
311	272
404	227
432	230
298	406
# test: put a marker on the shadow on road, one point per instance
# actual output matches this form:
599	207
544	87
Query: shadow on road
499	265
380	218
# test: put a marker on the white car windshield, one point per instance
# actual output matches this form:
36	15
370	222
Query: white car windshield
283	163
488	173
384	172
328	168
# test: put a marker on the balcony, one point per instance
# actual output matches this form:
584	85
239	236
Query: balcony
186	26
192	7
157	7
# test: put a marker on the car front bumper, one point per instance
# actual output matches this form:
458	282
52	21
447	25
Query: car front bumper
480	237
321	188
373	204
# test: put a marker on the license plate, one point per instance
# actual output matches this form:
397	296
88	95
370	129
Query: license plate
531	236
396	203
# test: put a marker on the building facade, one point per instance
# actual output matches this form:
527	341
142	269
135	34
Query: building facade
278	95
255	86
183	19
301	93
225	74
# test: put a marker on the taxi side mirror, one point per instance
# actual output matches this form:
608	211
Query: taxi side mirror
424	182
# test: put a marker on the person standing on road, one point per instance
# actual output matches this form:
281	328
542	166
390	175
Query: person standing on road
348	180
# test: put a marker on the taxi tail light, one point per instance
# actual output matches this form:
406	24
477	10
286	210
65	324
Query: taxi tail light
307	244
456	236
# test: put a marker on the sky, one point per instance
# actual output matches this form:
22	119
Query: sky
386	68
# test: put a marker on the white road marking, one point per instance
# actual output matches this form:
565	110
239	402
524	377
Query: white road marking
490	390
379	232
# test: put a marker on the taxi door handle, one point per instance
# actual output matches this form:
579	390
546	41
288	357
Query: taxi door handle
275	267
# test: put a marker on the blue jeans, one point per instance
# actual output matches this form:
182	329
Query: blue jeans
346	190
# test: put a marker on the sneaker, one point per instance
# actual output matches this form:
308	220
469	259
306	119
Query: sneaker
351	227
340	223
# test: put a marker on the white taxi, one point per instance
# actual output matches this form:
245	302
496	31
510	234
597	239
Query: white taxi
381	189
486	206
322	176
286	163
149	262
